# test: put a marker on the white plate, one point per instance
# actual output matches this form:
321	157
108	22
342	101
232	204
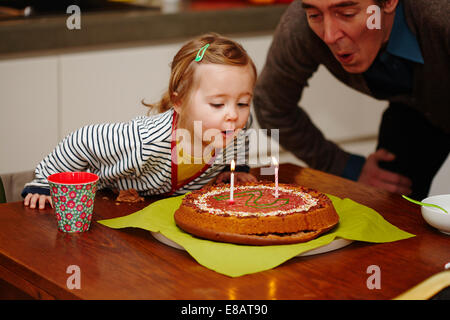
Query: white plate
334	245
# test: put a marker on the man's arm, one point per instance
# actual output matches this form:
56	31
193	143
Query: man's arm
290	63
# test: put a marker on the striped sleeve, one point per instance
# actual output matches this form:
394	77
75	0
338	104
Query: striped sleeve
109	150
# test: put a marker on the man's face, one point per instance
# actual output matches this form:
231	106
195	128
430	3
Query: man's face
342	25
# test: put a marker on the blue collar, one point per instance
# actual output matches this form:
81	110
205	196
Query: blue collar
402	42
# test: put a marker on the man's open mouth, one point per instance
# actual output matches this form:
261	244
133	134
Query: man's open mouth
345	57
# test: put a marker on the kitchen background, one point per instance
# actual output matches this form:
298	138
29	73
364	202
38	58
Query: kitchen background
54	80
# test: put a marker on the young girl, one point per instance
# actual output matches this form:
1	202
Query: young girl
188	144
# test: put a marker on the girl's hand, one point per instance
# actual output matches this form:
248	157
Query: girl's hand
239	177
33	198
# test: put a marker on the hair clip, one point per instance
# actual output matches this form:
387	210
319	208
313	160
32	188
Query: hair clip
201	53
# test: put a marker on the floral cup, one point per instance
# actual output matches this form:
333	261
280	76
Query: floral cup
73	196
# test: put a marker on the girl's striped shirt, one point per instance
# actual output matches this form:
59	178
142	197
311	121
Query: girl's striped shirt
134	155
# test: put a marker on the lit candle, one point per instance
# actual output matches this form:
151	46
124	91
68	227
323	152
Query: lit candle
232	183
275	163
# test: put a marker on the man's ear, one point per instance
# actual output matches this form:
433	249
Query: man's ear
390	6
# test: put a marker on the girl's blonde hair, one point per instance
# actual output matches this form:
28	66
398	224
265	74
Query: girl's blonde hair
221	50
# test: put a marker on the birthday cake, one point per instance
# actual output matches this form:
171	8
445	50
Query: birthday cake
256	216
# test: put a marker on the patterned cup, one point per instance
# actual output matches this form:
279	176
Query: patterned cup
73	196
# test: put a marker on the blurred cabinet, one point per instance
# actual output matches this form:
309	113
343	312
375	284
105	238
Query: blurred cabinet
29	111
43	99
108	86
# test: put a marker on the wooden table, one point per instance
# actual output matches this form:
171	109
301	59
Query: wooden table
130	264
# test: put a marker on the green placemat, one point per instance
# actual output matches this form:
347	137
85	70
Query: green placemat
357	222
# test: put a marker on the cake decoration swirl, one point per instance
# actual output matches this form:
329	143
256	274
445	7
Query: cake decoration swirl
253	198
265	202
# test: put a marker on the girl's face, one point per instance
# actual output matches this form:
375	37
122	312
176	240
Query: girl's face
218	104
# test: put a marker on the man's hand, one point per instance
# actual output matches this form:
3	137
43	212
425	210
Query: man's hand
373	175
243	177
34	198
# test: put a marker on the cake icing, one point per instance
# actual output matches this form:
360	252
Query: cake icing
276	208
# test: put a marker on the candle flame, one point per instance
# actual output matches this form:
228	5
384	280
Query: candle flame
232	165
274	161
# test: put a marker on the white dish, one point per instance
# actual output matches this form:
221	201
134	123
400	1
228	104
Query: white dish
334	245
436	217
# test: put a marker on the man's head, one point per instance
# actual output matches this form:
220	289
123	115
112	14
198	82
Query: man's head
342	25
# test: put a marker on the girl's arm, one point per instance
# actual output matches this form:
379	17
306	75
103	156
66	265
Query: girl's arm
71	154
109	150
67	156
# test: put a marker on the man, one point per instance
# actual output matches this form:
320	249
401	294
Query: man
405	60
